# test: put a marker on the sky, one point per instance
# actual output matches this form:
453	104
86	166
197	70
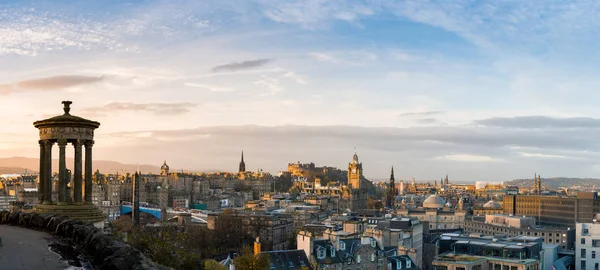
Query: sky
478	90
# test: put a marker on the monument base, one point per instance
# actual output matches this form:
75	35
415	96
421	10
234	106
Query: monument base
88	213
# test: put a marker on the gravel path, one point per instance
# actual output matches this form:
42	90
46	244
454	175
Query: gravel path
27	249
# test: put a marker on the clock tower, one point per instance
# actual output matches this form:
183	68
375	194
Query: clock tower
354	172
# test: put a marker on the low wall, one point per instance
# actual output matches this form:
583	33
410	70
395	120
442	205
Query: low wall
103	251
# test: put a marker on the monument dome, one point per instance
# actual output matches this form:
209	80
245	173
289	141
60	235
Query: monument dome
434	201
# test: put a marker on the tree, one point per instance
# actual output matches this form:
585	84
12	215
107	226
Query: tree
213	265
228	234
166	245
249	261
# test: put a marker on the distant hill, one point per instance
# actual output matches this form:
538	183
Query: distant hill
10	170
21	164
557	182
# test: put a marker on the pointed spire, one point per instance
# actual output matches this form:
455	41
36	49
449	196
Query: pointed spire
242	156
392	176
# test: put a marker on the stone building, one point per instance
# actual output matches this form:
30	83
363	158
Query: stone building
334	250
554	210
352	196
502	226
587	255
274	230
437	214
399	232
489	208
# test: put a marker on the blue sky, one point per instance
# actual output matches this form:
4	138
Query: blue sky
431	87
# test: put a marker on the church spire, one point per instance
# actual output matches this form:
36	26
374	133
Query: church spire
392	176
242	164
535	178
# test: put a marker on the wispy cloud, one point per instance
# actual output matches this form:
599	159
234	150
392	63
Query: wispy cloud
236	66
294	77
468	158
540	155
352	58
155	108
310	14
269	83
530	122
420	114
53	83
212	88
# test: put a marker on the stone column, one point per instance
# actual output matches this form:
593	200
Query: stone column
48	171
77	178
62	172
88	171
41	174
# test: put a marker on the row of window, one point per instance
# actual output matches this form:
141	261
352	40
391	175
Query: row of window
584	265
584	253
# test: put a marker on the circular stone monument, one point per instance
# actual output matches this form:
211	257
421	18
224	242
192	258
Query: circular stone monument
73	202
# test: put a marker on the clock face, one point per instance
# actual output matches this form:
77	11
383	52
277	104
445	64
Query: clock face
353	170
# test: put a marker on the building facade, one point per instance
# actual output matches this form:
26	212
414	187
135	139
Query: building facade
479	253
562	237
554	210
587	254
437	214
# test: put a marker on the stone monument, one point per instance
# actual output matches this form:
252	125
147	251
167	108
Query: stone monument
79	132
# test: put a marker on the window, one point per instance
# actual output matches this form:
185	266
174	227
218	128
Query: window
373	257
373	242
321	253
583	241
593	254
358	258
332	252
398	264
342	245
583	264
408	264
583	253
597	266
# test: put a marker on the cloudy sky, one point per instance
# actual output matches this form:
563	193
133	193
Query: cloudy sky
479	90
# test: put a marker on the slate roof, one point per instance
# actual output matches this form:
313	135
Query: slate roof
328	258
288	259
403	260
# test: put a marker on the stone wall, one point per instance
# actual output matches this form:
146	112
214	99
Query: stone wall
103	251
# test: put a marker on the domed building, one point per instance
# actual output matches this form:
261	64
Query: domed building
164	169
489	208
439	216
434	201
492	204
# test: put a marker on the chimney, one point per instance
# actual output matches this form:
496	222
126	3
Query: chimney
184	219
257	246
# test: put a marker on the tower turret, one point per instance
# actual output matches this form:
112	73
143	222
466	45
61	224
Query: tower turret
164	169
354	172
